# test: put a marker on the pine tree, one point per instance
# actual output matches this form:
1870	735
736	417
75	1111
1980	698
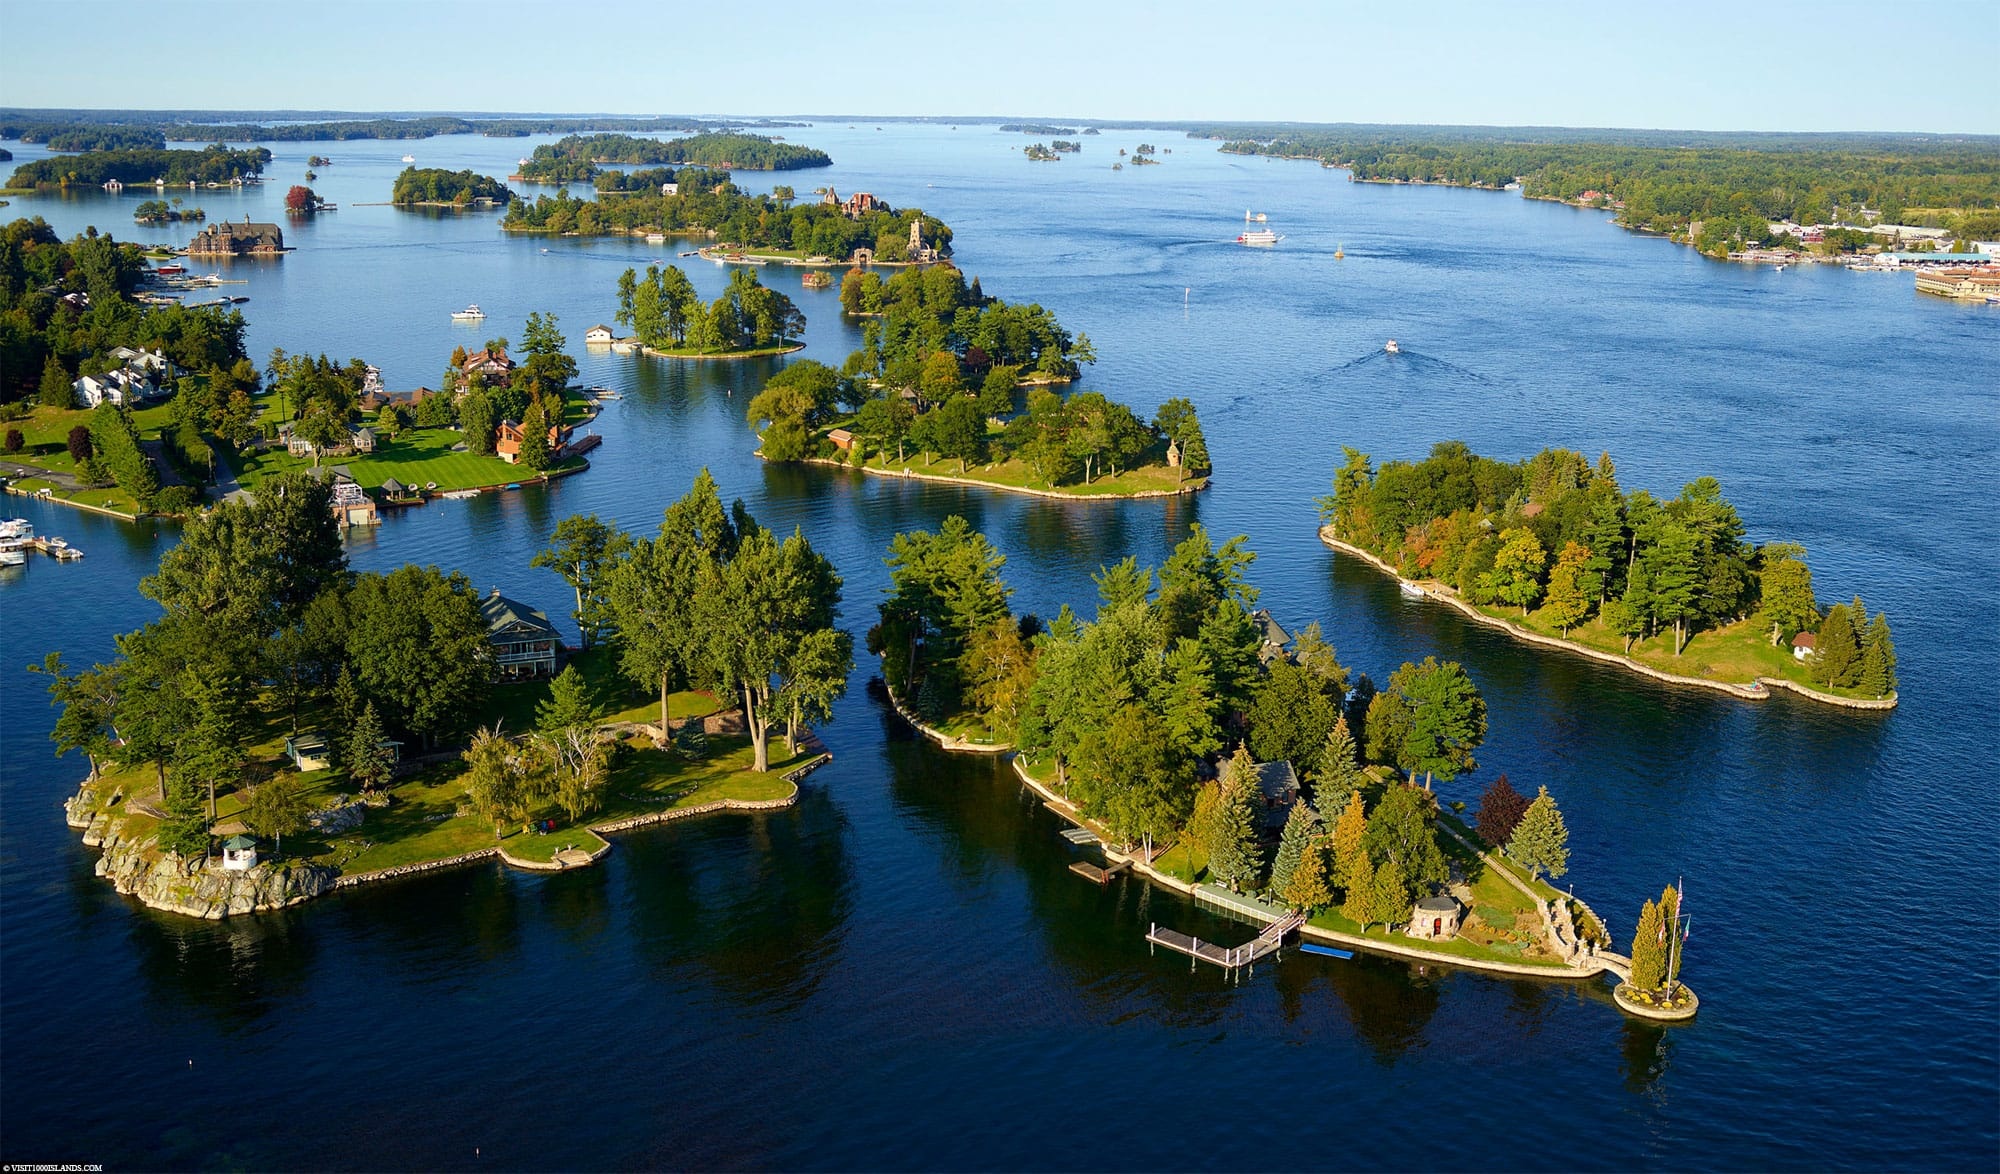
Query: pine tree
1311	885
1235	858
1302	830
56	391
1541	841
1569	598
1339	773
534	452
369	762
1649	955
1837	657
1359	906
1878	658
1348	832
1670	917
1390	904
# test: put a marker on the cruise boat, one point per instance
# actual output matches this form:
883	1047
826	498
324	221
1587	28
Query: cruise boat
1259	237
471	313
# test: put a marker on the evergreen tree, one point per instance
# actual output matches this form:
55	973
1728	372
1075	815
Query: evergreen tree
1311	885
535	452
1837	658
1878	658
1348	832
1541	841
1390	903
1403	830
1359	882
1606	543
1302	831
1339	770
1235	858
184	831
1649	954
57	391
1569	598
1671	958
368	761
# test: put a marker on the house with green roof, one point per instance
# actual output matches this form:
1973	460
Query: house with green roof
520	639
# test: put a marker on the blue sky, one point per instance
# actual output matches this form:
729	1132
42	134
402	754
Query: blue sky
1689	65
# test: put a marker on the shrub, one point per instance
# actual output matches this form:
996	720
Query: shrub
15	440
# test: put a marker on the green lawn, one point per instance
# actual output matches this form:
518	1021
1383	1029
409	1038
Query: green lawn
1456	947
618	699
45	433
415	458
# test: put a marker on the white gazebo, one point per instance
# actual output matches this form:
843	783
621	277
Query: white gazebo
239	854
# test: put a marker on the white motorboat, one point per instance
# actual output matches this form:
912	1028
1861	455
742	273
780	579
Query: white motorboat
17	528
1392	348
471	313
409	158
1410	589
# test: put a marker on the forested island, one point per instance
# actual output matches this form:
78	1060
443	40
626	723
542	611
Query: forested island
1223	756
1553	548
940	376
1732	186
669	318
324	726
436	186
824	229
165	212
578	157
217	163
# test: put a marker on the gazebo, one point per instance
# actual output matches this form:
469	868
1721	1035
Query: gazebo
1435	918
239	854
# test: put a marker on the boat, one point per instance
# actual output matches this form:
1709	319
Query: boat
1324	951
471	313
1259	238
409	158
656	238
17	528
1392	348
1253	218
513	484
1410	589
13	556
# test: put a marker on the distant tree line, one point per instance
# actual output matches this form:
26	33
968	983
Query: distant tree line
101	129
576	157
1736	191
435	185
217	163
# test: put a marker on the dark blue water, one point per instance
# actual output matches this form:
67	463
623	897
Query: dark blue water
900	971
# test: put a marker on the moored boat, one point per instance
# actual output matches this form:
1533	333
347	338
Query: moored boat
471	313
1409	589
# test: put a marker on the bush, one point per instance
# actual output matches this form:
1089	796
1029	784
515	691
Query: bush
13	411
15	440
692	741
176	499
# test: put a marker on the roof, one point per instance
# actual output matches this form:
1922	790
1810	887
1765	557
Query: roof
1439	904
240	844
1805	640
501	612
598	327
1533	509
1277	780
391	485
306	743
1273	632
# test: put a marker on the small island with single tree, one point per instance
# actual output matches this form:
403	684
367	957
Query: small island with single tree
1553	551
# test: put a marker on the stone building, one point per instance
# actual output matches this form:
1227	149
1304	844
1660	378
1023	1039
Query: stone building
229	239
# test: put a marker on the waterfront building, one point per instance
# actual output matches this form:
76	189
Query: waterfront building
493	366
1971	284
598	335
239	854
520	638
508	437
230	239
1804	645
1278	786
1435	918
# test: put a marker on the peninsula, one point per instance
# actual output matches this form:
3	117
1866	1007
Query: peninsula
1315	821
1552	551
326	728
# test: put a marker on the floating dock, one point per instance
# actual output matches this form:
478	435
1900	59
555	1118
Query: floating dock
1081	837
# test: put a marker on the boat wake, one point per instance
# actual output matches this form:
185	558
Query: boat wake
1412	360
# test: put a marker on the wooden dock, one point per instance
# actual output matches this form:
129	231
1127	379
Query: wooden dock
1227	957
1091	872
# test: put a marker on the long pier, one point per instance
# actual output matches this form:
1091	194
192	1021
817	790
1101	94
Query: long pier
1229	958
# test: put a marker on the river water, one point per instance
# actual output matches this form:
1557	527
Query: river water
900	971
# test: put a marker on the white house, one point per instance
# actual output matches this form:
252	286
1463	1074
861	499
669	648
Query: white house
1804	646
92	390
670	189
598	335
239	854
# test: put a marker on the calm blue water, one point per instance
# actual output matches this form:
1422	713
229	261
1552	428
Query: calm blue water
900	972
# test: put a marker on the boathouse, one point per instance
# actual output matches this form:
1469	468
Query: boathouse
520	638
237	239
239	854
598	335
1435	918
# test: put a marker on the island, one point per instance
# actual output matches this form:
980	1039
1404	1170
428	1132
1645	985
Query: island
1730	195
435	187
668	318
214	166
1553	551
576	158
1323	819
289	727
860	229
940	376
1037	153
163	212
69	130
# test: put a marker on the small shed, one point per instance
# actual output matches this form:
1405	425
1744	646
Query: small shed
395	490
1435	918
239	854
308	752
842	439
1804	646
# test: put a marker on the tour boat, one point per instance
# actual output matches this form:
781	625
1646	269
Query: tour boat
1259	237
1392	348
409	158
471	313
1410	589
